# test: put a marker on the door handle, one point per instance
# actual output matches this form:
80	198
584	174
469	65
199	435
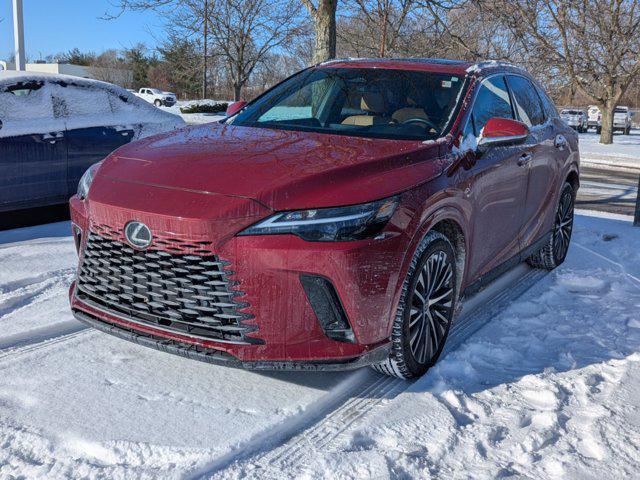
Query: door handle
52	138
524	159
560	142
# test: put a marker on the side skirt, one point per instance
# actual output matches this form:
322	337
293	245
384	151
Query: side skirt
505	266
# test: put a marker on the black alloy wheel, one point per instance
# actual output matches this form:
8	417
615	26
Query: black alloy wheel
426	309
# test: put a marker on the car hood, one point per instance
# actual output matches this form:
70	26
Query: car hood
280	169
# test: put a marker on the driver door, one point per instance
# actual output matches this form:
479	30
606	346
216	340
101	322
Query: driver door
496	186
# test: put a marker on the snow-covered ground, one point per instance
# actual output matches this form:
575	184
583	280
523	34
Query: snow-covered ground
541	380
624	152
195	118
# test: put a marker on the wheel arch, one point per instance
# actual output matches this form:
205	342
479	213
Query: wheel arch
452	222
574	179
451	229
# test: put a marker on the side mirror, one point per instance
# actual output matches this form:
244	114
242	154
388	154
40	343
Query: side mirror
235	107
502	131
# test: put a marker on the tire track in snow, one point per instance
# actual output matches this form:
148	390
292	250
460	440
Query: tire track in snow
33	290
27	292
633	280
22	343
375	391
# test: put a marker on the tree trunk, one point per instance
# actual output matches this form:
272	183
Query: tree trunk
606	134
237	91
383	39
325	27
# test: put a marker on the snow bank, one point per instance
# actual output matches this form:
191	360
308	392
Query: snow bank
196	118
624	152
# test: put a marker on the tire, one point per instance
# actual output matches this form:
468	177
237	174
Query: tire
157	103
598	130
420	328
554	252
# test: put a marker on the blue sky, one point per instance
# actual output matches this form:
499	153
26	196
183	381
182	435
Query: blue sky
53	26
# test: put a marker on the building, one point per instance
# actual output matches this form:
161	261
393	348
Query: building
112	75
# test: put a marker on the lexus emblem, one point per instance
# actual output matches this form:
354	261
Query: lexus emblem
138	234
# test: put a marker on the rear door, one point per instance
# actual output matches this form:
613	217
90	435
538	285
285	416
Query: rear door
496	187
546	160
33	155
93	129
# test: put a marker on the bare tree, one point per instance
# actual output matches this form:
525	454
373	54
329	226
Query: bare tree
196	26
241	32
381	22
246	31
594	44
109	67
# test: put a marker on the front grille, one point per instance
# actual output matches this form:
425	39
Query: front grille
182	293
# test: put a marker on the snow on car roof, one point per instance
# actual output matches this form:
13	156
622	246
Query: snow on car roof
86	106
8	76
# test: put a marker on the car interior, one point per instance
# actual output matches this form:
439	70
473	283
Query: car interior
384	103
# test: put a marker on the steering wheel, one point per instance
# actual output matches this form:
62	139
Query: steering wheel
421	120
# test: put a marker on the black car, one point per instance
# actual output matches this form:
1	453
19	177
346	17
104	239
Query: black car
54	127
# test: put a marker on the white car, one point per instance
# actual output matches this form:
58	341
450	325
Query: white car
621	119
575	118
594	117
157	97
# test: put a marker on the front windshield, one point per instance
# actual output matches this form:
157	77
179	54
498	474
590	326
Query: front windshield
397	104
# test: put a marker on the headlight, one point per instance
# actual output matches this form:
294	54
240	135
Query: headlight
86	180
339	224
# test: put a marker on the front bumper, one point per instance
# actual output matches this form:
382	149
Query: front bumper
268	270
218	357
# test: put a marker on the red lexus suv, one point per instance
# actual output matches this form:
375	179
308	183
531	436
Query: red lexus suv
335	221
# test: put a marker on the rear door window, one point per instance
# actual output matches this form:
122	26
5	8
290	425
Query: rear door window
492	101
527	102
83	107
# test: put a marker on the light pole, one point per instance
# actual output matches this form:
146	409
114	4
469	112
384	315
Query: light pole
18	34
204	69
636	219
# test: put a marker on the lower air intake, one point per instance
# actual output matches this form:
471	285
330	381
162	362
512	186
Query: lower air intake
328	308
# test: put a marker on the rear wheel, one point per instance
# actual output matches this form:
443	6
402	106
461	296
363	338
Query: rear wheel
157	103
425	311
555	250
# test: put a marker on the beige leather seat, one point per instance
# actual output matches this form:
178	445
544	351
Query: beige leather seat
373	103
404	114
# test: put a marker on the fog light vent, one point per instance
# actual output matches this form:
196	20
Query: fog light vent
328	308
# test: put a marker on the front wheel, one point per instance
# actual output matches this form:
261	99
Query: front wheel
554	252
425	310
